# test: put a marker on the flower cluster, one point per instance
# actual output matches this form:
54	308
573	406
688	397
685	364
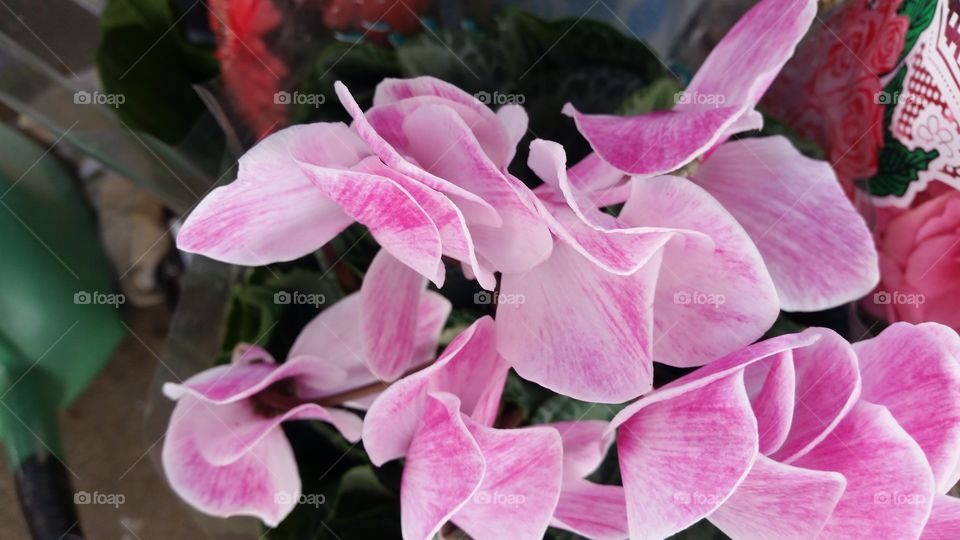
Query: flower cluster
800	435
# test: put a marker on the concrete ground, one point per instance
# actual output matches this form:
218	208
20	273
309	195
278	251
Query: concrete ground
107	451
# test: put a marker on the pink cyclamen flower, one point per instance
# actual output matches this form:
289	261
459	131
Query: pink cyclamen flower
491	483
802	436
224	452
673	278
815	245
423	169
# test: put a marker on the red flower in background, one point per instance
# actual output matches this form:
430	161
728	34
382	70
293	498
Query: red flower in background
375	18
251	73
831	92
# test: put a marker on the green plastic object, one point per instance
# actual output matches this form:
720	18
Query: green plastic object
59	312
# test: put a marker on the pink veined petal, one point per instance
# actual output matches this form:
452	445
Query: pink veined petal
225	433
498	133
711	298
655	143
472	204
890	487
724	90
828	386
596	235
944	522
514	119
593	174
263	482
771	384
729	365
521	484
334	337
585	444
469	368
443	470
394	217
682	456
272	212
577	329
909	371
592	510
780	502
443	144
749	57
387	323
455	237
248	353
231	383
816	245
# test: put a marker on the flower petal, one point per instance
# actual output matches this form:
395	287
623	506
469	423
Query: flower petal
711	297
654	143
818	249
681	456
592	510
387	322
263	482
777	501
771	384
585	445
944	522
909	371
521	484
890	487
577	329
469	368
497	133
828	386
231	383
443	469
272	212
752	53
443	144
395	219
470	203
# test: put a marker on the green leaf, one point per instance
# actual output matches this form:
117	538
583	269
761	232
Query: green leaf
660	95
58	329
143	57
360	66
561	408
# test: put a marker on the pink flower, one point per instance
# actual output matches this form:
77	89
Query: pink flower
674	278
424	170
817	248
920	263
223	451
492	483
802	436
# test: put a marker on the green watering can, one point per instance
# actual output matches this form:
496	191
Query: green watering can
59	323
